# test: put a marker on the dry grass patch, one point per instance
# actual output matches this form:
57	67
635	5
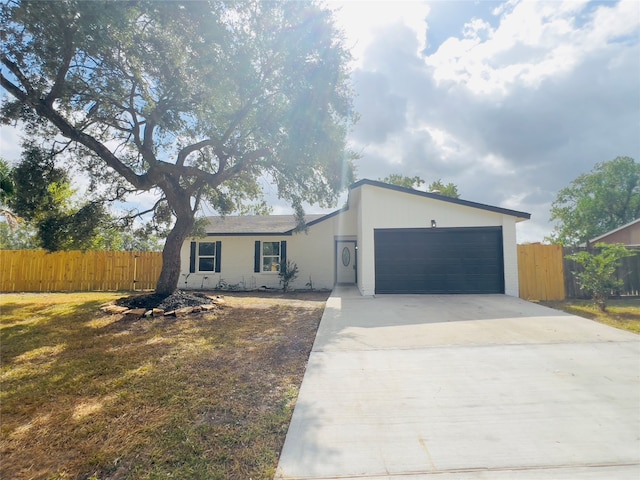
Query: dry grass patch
209	396
622	313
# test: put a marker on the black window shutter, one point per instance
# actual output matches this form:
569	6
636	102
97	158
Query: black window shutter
192	258
218	255
283	253
256	258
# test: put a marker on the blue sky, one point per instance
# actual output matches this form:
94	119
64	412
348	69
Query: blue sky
508	100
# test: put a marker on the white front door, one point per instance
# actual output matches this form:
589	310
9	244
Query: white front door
345	261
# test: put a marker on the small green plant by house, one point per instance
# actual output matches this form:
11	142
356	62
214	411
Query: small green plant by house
288	273
599	275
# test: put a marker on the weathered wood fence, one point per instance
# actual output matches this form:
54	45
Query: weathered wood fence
38	271
628	272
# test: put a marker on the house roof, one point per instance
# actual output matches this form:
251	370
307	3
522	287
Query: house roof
286	224
435	196
610	232
256	224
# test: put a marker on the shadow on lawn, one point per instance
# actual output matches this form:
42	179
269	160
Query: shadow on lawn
25	326
203	396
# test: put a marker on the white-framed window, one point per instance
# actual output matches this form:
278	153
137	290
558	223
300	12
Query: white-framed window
207	256
271	256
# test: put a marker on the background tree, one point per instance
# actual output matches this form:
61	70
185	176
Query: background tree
403	181
7	192
597	202
195	101
114	238
447	190
20	237
43	196
6	182
599	275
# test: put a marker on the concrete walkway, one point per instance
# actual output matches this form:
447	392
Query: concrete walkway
464	387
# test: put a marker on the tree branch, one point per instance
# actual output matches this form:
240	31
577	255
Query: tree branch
240	115
64	68
144	212
188	150
141	182
10	87
215	179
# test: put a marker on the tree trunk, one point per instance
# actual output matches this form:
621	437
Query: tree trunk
170	274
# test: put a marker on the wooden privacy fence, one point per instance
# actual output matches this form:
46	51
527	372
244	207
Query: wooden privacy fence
541	272
544	273
628	272
39	271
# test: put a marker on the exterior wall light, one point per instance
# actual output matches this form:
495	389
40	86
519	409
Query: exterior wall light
433	224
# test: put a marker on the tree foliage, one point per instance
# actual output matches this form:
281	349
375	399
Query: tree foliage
599	275
40	185
447	190
596	202
44	197
25	237
51	215
7	192
195	101
403	181
22	236
7	188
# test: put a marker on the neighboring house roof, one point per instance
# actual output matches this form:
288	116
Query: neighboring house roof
286	224
619	231
514	213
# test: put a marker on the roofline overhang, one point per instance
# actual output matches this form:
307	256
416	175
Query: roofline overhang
520	216
615	230
250	234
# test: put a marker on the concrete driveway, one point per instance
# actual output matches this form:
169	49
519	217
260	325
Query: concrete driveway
464	387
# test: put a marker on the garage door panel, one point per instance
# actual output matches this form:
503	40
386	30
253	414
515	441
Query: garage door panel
452	260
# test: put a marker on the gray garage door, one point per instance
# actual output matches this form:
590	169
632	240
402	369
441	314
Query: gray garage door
439	260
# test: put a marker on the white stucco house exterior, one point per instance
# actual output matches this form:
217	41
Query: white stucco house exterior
387	239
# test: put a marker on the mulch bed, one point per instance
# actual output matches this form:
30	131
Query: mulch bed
178	299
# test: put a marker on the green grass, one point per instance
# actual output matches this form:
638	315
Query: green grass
87	395
621	313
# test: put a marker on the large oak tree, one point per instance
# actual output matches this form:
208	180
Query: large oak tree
198	101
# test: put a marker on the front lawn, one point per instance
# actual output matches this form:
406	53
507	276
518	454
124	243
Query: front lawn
621	313
85	395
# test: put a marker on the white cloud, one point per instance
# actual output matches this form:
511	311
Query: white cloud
511	103
533	42
362	20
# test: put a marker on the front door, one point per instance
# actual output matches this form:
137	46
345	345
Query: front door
345	261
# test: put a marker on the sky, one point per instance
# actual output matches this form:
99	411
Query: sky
509	100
